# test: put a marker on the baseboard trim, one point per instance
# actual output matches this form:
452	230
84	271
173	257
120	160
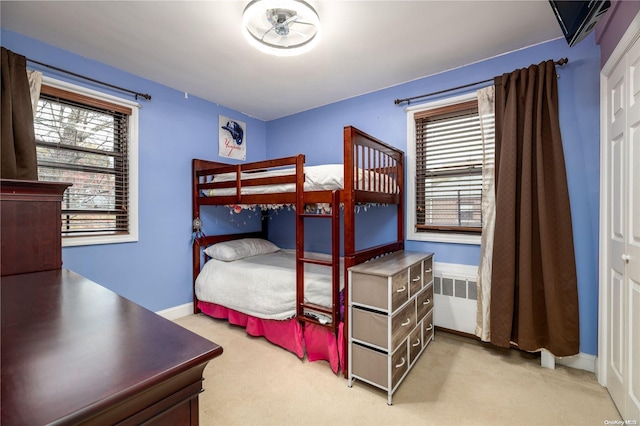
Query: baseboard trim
580	361
458	333
177	311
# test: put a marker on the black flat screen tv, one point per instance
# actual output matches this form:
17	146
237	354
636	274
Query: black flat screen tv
578	18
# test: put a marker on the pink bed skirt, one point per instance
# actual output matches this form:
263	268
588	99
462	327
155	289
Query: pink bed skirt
317	342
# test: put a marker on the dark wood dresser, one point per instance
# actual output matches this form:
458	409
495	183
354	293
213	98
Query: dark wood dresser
74	352
31	226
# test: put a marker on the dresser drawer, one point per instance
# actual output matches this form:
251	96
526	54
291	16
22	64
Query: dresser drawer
370	327
425	302
415	344
427	267
373	366
415	279
399	365
420	337
402	323
373	327
369	364
427	329
372	290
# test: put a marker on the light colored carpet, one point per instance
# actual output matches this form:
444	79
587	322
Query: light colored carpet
456	381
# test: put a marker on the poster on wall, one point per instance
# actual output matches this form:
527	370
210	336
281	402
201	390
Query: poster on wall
232	138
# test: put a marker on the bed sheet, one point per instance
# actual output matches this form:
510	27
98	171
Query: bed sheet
264	286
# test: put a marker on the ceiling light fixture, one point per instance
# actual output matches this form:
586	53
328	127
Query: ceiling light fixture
281	27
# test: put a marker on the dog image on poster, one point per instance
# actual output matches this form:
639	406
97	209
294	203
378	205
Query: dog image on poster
232	142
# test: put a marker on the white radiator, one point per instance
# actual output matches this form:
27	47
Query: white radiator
455	296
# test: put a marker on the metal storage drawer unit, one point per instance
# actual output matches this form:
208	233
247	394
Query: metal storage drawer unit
391	310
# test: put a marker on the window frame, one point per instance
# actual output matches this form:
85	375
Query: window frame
411	233
132	147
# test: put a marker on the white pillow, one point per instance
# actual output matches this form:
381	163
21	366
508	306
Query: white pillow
239	249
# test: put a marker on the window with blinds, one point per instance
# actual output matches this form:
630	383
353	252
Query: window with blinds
450	154
84	141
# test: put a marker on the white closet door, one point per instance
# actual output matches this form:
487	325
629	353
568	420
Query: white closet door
615	292
632	252
621	295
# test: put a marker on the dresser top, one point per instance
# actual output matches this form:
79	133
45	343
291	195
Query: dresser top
391	263
11	188
71	347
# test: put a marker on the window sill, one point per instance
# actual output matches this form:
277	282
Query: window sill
438	237
92	241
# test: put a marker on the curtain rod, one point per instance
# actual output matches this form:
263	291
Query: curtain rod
144	95
559	62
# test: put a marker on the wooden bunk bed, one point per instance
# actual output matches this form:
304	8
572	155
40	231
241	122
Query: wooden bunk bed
372	173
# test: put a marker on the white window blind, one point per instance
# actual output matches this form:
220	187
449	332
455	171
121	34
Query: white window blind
450	155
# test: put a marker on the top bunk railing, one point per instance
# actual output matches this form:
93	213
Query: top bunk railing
363	152
373	168
223	184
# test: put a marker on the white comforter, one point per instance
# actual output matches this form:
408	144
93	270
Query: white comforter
263	286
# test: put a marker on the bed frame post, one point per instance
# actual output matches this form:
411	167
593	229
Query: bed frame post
196	270
299	236
335	262
195	213
350	162
400	216
264	217
348	193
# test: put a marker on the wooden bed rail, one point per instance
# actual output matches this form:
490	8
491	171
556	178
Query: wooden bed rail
241	176
204	167
363	152
371	165
374	252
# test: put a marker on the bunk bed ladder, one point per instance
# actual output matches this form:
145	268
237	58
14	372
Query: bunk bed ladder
301	307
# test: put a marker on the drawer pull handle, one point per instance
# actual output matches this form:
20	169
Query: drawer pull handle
426	302
428	270
430	327
407	322
416	279
401	289
417	343
401	363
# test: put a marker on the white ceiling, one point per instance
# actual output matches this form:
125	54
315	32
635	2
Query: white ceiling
197	46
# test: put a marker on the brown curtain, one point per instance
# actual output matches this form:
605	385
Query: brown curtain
18	144
534	299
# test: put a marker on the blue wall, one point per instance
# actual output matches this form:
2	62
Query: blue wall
318	133
156	271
